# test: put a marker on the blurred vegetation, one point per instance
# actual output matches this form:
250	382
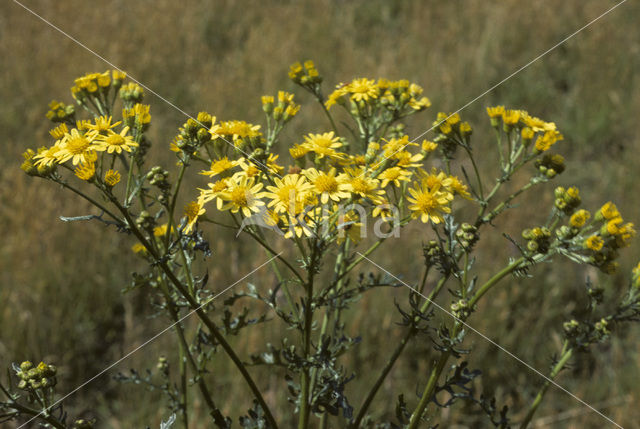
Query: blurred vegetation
60	283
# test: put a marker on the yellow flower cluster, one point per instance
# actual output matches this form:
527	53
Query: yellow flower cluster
399	96
93	83
530	128
309	200
602	237
80	147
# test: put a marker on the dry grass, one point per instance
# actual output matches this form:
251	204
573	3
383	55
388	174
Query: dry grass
60	283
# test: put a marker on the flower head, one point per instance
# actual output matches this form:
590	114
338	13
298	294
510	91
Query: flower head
115	142
429	204
76	146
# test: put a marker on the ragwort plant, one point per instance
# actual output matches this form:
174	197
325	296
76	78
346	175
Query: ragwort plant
337	186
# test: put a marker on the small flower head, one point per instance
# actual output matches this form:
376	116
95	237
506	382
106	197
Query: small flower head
111	178
595	243
85	171
579	218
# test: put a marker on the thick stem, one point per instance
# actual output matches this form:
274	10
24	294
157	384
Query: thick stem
429	389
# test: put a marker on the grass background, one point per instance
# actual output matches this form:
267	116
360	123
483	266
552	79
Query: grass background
60	283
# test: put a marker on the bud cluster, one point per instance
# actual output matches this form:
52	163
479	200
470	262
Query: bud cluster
282	111
550	165
467	236
60	112
39	377
451	132
539	239
306	75
131	93
567	200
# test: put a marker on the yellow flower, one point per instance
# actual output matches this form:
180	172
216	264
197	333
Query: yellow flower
288	194
273	166
139	112
548	139
595	243
323	144
363	186
363	89
349	226
429	204
238	130
579	218
118	75
112	178
459	188
337	96
297	151
328	185
59	131
428	146
243	195
219	166
214	191
85	171
114	142
527	133
192	211
511	117
495	112
75	147
608	211
161	231
394	175
47	156
102	124
138	248
435	180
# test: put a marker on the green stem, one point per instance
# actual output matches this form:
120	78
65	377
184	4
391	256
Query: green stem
564	358
218	418
416	416
394	357
477	173
328	115
495	279
305	383
197	308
